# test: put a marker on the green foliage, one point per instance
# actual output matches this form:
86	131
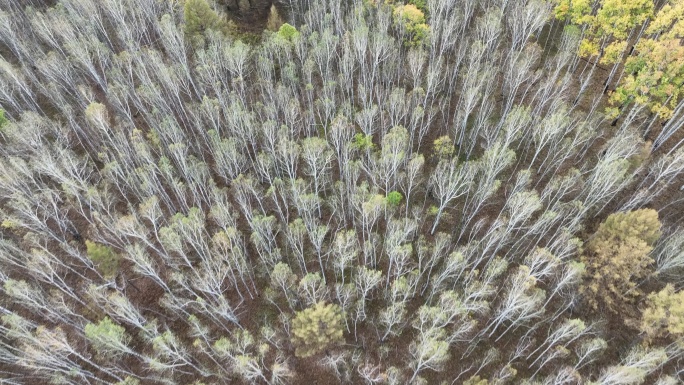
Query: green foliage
394	198
420	4
444	147
239	341
363	142
199	19
430	351
106	337
283	280
616	18
282	275
105	259
613	52
316	328
97	113
3	119
287	32
612	19
616	255
654	77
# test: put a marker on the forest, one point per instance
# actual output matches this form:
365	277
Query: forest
318	192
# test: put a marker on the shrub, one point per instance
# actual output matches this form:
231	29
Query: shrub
274	21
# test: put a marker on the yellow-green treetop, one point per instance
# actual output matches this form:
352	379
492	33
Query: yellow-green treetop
664	314
668	22
108	338
412	20
604	20
104	258
654	75
616	255
616	18
654	70
642	224
575	11
316	328
444	147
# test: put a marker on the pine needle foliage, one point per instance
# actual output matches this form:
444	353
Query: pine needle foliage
199	19
317	328
105	259
106	337
664	314
618	256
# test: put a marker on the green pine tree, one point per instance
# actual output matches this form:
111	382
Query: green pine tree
317	328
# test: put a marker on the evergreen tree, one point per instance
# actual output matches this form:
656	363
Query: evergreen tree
317	328
200	18
664	314
105	259
617	256
108	338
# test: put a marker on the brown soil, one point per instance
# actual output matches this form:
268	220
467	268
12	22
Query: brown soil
251	20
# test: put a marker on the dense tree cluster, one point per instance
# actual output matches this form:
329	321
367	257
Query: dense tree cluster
378	192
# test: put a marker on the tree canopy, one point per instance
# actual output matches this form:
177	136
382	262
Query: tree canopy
316	328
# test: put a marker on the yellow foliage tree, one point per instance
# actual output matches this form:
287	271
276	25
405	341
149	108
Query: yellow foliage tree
575	11
444	147
616	255
654	69
664	314
316	328
611	20
607	24
412	20
655	73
